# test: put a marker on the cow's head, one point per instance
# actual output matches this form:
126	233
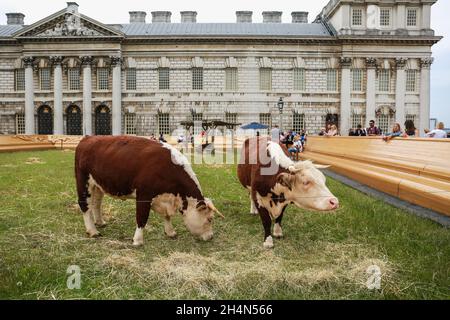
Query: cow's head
304	185
198	218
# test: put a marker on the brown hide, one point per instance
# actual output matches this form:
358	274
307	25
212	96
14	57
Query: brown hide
122	165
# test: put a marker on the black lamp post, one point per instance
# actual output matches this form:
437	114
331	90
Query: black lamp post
280	105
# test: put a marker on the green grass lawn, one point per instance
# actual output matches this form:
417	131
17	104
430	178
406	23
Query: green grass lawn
323	255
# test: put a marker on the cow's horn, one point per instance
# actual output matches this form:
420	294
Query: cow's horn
320	166
293	169
213	208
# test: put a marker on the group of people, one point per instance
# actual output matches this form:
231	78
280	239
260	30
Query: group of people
295	141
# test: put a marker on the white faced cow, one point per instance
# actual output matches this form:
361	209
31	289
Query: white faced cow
157	175
275	181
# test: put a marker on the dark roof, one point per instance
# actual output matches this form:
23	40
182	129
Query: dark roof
226	29
7	31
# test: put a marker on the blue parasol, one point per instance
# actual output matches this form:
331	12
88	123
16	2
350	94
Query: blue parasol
254	126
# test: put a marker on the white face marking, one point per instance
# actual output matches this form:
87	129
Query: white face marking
198	222
179	159
138	239
277	155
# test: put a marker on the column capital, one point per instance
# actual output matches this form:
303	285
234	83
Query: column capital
116	61
371	63
87	61
400	63
426	63
346	62
28	61
56	60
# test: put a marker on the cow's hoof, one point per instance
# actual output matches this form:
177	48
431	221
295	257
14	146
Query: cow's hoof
277	231
100	224
268	244
138	243
94	234
172	235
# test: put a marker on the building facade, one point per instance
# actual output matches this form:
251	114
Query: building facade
358	60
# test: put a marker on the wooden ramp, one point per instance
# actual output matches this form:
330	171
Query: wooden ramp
414	170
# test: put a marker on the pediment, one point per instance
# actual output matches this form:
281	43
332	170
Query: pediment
68	25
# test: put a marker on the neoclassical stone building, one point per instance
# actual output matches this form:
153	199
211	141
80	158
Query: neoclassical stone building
358	60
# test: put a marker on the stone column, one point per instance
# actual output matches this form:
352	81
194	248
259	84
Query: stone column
400	91
58	95
86	62
345	95
425	95
116	63
29	96
371	65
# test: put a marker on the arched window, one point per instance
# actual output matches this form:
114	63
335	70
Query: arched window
45	120
74	120
103	120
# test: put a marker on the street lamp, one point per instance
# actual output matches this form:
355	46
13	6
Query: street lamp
280	105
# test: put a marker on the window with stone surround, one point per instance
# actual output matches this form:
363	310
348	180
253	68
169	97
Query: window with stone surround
299	79
384	79
102	78
298	122
266	119
332	80
385	17
357	15
73	77
197	78
19	80
384	123
411	76
163	123
357	80
265	79
231	117
20	123
411	17
197	118
45	80
357	119
131	79
164	78
231	79
130	123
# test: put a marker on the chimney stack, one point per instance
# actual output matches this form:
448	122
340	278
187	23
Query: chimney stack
188	16
137	16
244	16
272	16
15	18
299	17
72	7
161	16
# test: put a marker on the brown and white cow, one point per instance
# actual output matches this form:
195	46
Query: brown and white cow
157	175
275	181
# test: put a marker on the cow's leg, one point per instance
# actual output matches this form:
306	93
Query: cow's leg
84	190
267	224
142	212
253	209
168	227
97	198
277	231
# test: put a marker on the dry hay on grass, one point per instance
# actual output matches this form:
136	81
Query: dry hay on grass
182	274
34	161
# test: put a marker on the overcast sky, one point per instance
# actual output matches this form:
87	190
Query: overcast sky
224	11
